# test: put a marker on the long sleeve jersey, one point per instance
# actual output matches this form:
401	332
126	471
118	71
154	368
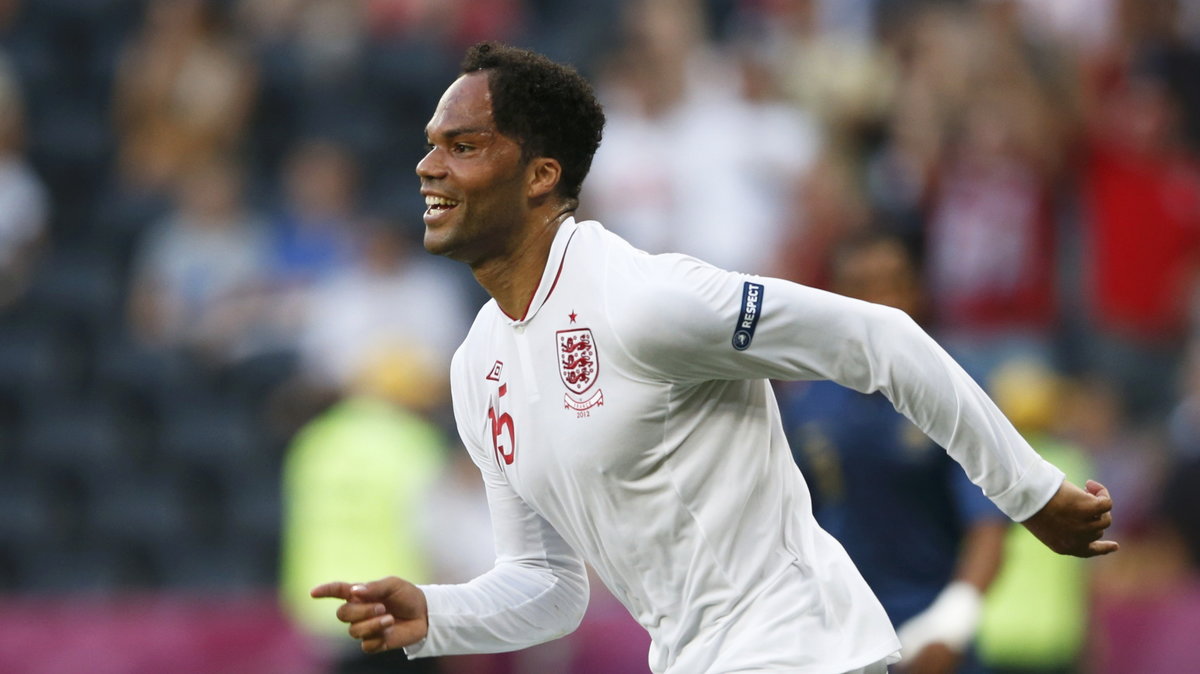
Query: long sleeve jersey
627	420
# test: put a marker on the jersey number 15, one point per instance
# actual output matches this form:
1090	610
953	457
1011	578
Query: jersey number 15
504	436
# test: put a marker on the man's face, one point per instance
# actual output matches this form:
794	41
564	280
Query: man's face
472	178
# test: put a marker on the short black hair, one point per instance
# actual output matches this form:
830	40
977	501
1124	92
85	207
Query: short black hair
547	107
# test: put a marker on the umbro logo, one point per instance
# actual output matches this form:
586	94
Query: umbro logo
494	375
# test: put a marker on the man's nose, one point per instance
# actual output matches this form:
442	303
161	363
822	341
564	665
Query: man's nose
431	165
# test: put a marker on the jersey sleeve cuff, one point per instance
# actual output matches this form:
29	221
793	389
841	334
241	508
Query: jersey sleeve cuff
1031	492
436	604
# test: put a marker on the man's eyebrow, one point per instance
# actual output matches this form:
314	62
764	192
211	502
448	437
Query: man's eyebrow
464	131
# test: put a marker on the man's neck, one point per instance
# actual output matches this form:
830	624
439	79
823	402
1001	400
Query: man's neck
513	279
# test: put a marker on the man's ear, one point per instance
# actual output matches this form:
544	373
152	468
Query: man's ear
544	174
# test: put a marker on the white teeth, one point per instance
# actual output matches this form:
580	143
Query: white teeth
439	202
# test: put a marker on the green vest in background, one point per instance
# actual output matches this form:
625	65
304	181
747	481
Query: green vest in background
1036	612
354	480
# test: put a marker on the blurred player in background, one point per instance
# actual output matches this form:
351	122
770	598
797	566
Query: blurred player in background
930	560
619	408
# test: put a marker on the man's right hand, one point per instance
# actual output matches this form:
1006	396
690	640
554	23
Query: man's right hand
384	614
1074	520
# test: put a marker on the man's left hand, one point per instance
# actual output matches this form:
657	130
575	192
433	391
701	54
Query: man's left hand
1074	520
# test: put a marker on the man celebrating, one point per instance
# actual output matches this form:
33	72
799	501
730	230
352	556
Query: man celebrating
618	406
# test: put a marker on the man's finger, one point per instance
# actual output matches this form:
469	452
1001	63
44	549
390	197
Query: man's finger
372	628
332	591
373	591
1099	504
1102	521
374	645
353	612
1102	548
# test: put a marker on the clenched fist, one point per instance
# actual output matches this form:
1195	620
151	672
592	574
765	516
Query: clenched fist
1074	520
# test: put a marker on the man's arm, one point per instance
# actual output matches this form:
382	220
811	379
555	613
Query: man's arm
796	332
537	591
935	639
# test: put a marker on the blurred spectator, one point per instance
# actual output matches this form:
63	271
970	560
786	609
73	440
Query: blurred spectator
313	235
830	209
315	231
1164	37
355	485
901	172
1035	617
989	238
1141	195
1180	507
690	162
24	204
1184	422
390	299
1129	460
930	561
199	273
184	91
822	62
459	23
323	41
1083	26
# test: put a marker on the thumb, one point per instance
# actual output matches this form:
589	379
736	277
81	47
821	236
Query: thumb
377	590
1095	488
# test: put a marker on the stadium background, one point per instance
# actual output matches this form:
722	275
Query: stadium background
210	276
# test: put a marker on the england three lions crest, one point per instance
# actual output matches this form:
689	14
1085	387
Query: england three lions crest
579	367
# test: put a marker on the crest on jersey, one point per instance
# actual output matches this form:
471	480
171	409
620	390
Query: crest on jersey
579	366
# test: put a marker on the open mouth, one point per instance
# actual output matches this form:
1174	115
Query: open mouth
436	205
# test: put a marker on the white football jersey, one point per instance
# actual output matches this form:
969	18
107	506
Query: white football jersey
627	420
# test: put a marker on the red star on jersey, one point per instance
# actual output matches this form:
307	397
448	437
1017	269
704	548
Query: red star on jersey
572	315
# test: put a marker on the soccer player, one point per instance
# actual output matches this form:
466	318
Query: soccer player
939	549
618	407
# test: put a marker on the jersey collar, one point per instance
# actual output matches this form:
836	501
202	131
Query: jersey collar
554	267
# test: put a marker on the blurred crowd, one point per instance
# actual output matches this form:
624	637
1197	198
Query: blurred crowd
224	353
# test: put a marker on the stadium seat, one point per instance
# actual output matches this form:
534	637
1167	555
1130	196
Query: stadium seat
76	285
71	436
134	505
195	567
68	568
26	524
202	432
255	514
